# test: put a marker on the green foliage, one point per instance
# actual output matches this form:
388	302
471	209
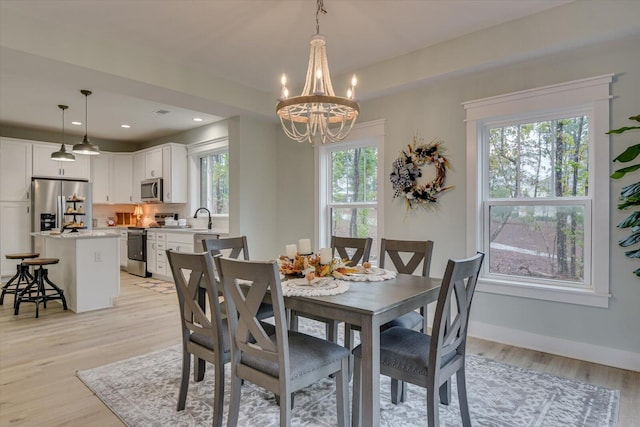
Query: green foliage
630	194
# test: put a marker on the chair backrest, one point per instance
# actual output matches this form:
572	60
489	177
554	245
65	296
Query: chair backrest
420	250
354	249
191	274
230	247
243	299
449	331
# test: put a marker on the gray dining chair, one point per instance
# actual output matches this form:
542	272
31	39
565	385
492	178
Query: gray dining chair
234	247
352	249
416	253
430	361
283	362
206	337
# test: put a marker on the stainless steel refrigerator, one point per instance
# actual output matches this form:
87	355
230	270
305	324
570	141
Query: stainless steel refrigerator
61	204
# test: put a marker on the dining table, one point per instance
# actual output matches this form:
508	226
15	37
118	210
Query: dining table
369	305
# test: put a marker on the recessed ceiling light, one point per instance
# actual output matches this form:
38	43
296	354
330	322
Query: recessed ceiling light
197	119
125	126
76	123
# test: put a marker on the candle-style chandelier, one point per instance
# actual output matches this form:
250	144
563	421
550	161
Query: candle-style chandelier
317	112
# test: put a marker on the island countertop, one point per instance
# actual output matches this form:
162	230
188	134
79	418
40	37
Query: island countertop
78	235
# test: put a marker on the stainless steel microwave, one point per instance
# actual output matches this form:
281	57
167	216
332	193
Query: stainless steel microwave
151	190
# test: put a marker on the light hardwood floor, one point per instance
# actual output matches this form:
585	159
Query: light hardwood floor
39	358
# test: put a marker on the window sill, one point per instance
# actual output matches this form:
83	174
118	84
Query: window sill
547	293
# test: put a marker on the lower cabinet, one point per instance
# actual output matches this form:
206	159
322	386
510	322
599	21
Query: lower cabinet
124	256
15	226
151	251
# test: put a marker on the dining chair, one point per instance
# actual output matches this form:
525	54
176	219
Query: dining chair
206	337
416	253
430	361
233	247
352	249
283	362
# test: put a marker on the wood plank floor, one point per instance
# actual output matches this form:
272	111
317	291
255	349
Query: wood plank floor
39	358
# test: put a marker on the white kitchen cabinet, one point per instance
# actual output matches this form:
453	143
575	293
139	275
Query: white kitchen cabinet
153	163
151	251
15	225
43	166
15	169
174	173
101	178
124	257
112	178
122	177
139	161
161	256
180	242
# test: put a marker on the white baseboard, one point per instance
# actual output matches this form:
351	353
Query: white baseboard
577	350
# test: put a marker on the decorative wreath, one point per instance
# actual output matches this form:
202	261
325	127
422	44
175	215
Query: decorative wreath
407	170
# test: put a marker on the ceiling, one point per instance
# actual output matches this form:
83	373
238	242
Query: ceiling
240	45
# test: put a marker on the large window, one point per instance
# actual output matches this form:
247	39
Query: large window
350	188
541	209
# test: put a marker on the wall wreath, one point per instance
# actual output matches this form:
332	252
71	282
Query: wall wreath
407	168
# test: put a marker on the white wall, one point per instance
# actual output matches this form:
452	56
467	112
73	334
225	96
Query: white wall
436	112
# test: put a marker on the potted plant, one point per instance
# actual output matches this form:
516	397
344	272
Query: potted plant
630	194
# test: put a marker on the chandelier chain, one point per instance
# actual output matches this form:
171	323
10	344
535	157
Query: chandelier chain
318	10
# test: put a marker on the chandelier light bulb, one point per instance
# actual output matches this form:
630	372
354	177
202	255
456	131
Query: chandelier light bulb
283	79
354	80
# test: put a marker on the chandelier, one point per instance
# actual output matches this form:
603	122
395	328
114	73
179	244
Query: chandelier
317	111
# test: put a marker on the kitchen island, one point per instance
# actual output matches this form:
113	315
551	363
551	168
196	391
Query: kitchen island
89	267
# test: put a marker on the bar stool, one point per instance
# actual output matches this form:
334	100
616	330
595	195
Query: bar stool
22	276
40	277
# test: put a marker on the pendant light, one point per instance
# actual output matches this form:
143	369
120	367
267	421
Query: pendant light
85	147
63	155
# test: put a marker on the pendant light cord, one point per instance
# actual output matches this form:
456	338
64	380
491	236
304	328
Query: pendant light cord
86	115
318	10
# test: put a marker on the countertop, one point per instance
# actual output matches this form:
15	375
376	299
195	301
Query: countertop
78	235
166	230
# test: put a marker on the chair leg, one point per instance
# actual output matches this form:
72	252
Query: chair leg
218	399
398	391
184	382
199	369
433	402
234	404
357	393
462	397
342	394
285	409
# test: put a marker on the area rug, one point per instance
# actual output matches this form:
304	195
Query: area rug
159	286
143	391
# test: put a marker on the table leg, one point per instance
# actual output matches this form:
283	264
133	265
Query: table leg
370	340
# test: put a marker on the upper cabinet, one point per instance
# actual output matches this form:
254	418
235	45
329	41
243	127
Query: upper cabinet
174	173
122	178
112	178
153	163
139	160
43	166
15	170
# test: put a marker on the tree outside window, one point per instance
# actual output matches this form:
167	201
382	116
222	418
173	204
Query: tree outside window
214	182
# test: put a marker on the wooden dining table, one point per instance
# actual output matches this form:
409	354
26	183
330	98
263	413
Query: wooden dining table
369	305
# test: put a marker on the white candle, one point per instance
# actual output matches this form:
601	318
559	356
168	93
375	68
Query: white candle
291	251
304	246
325	255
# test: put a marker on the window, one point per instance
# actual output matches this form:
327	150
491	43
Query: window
540	203
350	186
214	181
209	176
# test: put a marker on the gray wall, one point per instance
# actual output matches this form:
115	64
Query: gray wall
436	112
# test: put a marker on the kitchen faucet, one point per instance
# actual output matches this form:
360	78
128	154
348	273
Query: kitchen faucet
195	215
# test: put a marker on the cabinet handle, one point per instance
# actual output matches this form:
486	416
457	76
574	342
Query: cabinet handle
107	198
27	195
131	198
27	209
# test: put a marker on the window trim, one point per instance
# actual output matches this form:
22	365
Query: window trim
591	95
362	134
194	152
